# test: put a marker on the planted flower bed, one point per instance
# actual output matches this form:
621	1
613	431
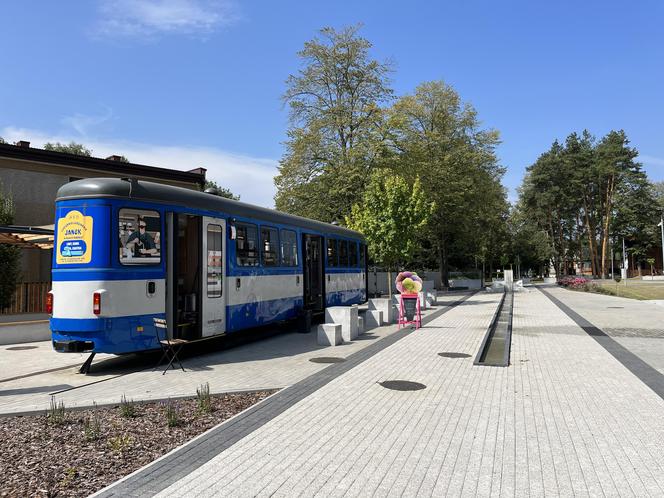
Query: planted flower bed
583	284
75	453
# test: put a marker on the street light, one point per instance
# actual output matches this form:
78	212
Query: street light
661	224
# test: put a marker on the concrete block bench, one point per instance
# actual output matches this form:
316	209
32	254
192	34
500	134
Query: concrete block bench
329	334
346	316
373	319
423	300
430	292
390	311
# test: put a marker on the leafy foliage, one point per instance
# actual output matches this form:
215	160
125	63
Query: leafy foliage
221	191
10	255
70	148
335	115
433	135
345	124
584	194
391	214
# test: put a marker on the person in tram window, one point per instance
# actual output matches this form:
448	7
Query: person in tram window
141	242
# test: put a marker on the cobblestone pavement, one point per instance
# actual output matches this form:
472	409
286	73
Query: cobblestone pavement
270	363
565	419
637	325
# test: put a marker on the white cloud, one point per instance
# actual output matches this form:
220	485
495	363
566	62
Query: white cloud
82	123
650	160
149	18
250	177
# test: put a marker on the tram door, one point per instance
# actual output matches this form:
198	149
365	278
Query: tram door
313	272
213	291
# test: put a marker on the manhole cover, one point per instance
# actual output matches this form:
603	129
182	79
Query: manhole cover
454	355
402	385
327	359
21	348
616	307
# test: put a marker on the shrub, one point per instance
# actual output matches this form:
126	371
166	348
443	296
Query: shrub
574	282
172	414
121	443
204	398
127	408
56	413
92	426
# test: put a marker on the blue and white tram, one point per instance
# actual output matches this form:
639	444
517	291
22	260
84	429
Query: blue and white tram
127	251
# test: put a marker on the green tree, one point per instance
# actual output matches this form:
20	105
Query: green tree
584	194
70	148
10	255
391	214
435	136
221	191
335	116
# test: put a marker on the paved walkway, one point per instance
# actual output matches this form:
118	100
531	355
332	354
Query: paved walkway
572	415
29	377
566	418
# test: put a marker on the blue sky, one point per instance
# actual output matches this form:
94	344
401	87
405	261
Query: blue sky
188	83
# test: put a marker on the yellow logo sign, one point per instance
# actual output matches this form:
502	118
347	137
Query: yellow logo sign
74	239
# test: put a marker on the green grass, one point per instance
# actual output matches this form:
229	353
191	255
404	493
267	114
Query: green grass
635	289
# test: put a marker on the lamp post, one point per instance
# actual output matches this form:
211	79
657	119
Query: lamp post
661	224
611	249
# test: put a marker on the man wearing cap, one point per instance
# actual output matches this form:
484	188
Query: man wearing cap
141	242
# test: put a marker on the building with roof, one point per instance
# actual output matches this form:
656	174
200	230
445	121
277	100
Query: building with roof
32	178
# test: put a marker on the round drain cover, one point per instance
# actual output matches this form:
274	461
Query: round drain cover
21	348
454	355
327	359
402	385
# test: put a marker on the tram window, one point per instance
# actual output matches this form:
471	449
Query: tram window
214	261
352	254
288	248
246	245
363	256
270	241
332	253
139	232
343	253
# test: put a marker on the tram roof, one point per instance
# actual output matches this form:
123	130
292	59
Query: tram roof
167	194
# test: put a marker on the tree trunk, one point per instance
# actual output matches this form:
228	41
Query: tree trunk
591	243
607	221
389	284
444	270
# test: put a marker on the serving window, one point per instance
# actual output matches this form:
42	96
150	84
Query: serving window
139	233
343	253
352	254
288	248
270	241
246	245
331	253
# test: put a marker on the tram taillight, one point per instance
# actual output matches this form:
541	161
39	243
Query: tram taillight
96	303
49	302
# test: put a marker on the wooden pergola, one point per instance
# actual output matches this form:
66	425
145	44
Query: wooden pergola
41	237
